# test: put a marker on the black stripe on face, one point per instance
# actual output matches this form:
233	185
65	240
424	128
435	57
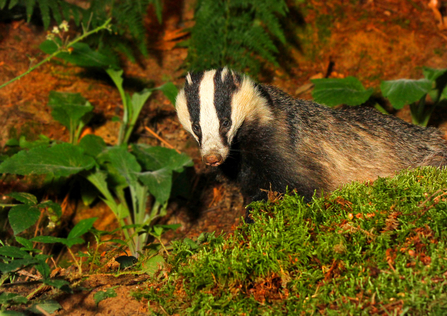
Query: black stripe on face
223	93
193	102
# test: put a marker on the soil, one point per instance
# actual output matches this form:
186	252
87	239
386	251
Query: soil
373	40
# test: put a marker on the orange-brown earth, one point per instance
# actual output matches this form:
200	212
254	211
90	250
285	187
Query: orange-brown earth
371	39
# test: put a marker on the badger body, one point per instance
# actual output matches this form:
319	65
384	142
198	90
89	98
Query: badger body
265	139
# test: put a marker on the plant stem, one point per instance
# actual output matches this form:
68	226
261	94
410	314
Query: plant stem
116	77
76	261
379	108
31	295
80	38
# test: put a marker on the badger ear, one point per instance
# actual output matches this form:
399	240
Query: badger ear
237	79
188	79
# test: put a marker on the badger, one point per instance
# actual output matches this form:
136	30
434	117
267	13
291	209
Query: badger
265	139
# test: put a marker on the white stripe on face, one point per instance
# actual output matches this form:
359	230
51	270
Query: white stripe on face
183	113
209	121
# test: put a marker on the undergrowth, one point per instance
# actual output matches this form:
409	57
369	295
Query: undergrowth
235	33
128	30
369	248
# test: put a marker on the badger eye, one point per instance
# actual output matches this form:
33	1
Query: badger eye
226	123
196	128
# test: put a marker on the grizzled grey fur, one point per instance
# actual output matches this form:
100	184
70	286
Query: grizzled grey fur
286	142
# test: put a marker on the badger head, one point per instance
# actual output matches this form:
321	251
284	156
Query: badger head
212	107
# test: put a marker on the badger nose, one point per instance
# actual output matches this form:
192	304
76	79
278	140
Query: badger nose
213	159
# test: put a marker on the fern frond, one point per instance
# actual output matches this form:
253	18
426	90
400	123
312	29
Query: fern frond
54	6
158	4
128	16
45	12
13	3
30	9
237	33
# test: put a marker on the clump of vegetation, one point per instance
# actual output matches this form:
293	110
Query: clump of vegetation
59	44
236	34
127	30
15	260
364	249
145	172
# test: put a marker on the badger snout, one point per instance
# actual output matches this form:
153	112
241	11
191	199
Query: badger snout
213	159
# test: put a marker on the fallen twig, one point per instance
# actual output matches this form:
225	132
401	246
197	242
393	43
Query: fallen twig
161	139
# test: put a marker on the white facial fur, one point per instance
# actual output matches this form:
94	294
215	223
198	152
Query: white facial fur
209	121
246	105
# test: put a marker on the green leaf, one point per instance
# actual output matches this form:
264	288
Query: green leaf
11	313
102	295
125	163
81	228
69	109
154	158
159	183
405	91
53	206
117	241
61	160
49	306
13	252
49	47
41	141
332	92
121	211
2	3
440	77
153	264
8	299
98	179
89	193
43	268
136	103
22	217
24	242
73	237
56	283
169	90
52	240
444	93
81	55
158	230
92	145
16	264
116	76
65	99
170	226
138	100
12	142
24	197
74	241
432	74
162	161
49	240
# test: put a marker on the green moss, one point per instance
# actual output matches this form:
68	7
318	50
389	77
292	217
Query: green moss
364	249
